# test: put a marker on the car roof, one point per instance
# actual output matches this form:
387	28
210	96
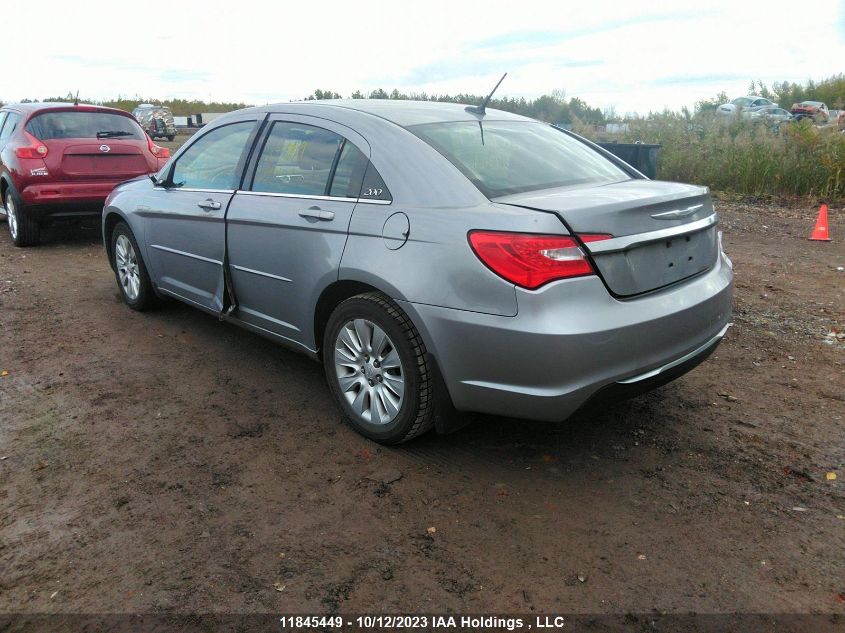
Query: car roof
399	111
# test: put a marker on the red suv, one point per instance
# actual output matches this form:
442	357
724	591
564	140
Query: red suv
62	160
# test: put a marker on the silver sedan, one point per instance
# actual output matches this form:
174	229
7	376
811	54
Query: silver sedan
431	256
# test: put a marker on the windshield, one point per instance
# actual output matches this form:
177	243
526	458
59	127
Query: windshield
55	125
741	101
504	157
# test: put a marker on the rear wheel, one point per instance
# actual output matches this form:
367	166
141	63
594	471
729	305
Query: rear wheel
129	270
23	230
170	138
376	366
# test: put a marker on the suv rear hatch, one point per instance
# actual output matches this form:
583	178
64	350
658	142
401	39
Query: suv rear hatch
661	232
103	159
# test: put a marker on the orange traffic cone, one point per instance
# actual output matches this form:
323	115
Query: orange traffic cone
820	232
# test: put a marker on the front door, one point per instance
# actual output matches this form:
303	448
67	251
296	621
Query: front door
186	234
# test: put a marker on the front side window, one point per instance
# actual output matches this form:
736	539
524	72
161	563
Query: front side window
505	157
9	125
90	125
297	159
212	161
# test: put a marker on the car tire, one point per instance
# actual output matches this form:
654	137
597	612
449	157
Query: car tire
377	368
170	138
23	229
131	274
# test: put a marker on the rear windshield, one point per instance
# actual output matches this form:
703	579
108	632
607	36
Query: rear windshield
53	125
504	157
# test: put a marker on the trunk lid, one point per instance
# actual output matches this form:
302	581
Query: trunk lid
662	232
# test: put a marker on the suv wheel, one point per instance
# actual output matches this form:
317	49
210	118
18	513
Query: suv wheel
129	270
375	364
23	230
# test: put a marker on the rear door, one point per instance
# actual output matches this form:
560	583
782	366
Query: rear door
185	237
288	229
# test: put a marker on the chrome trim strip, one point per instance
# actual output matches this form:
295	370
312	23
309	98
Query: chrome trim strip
259	272
623	243
199	190
675	363
269	194
191	255
677	213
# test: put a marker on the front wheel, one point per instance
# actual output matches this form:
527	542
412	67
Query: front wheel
376	366
129	269
23	230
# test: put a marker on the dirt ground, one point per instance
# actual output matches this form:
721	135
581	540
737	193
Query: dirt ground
167	462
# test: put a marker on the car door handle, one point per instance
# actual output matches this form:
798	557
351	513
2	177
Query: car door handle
316	213
209	205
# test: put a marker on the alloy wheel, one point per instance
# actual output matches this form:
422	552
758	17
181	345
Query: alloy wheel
12	217
369	371
127	267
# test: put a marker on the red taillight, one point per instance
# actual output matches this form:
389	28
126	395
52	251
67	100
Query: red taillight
531	260
157	150
35	149
593	237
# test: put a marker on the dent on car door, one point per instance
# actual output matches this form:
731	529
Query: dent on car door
287	230
186	232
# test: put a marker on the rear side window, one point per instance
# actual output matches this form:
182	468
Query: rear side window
88	125
297	159
9	125
349	173
374	187
504	157
211	162
2	119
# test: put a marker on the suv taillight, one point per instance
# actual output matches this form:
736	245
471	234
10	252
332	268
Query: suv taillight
532	260
157	150
35	149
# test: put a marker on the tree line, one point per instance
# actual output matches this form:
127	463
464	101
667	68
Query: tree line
553	108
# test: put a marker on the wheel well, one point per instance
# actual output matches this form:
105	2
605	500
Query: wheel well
332	297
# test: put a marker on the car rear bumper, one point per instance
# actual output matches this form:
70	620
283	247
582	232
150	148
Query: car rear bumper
64	194
571	341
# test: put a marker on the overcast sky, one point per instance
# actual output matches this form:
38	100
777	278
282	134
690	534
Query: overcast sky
634	56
